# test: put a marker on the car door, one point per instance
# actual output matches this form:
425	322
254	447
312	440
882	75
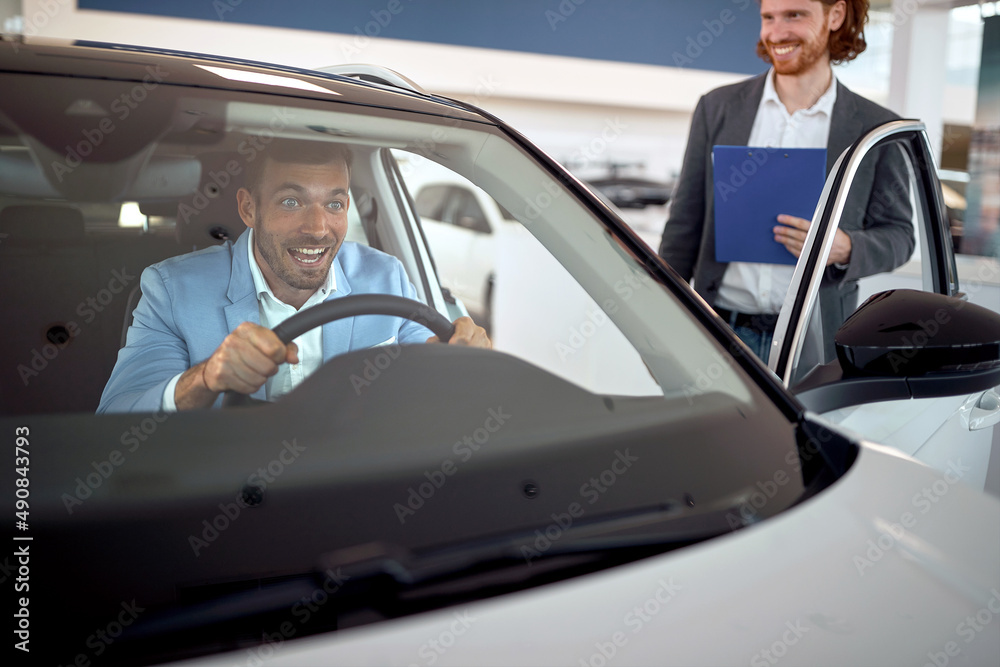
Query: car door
948	426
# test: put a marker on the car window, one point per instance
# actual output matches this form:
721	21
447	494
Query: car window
534	307
562	293
886	211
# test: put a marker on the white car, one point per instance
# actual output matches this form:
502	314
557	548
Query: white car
618	481
462	224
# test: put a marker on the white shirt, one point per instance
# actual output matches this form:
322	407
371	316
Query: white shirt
761	288
273	312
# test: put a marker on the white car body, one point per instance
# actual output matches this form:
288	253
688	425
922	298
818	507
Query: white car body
890	578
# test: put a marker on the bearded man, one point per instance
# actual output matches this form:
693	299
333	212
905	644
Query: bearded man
203	324
798	103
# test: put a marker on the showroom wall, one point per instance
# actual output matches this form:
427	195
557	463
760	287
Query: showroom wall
650	32
590	81
595	83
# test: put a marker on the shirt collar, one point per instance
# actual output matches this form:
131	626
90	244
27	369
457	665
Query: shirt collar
260	284
823	105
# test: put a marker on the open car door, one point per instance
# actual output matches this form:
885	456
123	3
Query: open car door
916	365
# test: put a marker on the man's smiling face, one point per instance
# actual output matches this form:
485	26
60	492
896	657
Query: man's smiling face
299	216
796	33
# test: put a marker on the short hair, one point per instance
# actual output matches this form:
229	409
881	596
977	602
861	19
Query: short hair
295	151
848	41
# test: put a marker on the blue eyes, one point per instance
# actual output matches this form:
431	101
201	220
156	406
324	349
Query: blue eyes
292	202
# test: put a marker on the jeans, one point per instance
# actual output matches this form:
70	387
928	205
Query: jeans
756	334
759	342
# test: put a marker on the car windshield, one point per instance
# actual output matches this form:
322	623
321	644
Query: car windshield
605	404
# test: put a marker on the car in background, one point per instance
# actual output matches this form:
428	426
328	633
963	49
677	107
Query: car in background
463	225
618	480
627	192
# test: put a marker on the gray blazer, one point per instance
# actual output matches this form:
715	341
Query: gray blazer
877	217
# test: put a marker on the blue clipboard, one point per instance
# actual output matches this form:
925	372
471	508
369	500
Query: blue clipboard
752	186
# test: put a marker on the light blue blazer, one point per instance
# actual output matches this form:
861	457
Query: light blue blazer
191	302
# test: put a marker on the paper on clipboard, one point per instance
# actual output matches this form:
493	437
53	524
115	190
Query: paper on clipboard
752	186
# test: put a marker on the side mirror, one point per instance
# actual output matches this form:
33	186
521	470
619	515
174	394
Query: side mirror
904	344
908	333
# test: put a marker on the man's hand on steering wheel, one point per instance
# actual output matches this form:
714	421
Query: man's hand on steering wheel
243	362
467	333
251	353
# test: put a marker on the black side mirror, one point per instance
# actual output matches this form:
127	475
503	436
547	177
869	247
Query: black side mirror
908	333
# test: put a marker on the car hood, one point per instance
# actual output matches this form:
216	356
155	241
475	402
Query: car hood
894	564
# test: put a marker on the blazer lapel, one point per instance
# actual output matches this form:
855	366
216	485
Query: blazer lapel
740	113
337	335
845	126
242	295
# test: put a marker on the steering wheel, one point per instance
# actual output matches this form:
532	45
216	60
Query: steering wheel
352	306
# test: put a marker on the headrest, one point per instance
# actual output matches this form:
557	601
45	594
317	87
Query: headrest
210	216
42	222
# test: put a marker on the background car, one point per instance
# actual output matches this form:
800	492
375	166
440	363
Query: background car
634	192
618	479
462	225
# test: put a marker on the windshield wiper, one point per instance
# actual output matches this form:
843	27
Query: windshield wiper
375	581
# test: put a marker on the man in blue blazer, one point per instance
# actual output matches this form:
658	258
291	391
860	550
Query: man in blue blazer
798	103
203	325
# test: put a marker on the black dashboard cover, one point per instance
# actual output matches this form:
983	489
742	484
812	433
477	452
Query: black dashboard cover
907	333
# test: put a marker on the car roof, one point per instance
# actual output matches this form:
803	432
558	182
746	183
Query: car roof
55	57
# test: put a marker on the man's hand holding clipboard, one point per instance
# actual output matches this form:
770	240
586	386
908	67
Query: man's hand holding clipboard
793	237
757	187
